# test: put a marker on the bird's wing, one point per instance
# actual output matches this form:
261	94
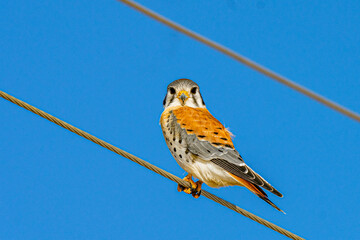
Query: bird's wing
207	138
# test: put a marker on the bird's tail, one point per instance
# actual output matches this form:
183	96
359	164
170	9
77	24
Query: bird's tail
266	199
256	190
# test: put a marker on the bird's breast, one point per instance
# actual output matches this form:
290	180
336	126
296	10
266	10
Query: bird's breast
175	143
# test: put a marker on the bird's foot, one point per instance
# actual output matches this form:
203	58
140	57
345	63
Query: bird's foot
194	190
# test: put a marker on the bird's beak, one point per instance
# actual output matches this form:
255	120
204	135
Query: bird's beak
183	96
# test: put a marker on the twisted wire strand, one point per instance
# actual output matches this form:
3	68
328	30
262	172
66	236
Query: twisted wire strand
146	164
257	67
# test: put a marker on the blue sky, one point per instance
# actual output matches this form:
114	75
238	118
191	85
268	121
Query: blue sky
104	68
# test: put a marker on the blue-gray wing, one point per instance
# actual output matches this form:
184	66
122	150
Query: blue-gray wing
225	157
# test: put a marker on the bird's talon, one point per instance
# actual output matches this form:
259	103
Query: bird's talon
194	190
188	190
196	194
180	188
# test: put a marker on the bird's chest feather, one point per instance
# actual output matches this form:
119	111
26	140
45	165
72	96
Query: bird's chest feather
175	143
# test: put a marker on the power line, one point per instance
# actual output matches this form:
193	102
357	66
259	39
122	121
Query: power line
146	164
257	67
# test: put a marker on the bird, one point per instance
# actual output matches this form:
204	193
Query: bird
203	147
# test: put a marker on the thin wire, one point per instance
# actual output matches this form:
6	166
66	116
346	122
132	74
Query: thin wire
257	67
145	164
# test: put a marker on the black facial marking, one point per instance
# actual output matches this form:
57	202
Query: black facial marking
171	99
216	133
189	130
224	139
195	102
201	136
202	99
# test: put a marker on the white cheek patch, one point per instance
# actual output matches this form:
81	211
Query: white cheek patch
174	103
191	103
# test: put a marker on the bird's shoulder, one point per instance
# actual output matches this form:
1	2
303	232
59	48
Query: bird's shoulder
200	122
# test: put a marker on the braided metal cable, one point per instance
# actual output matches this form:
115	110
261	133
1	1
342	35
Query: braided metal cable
146	164
251	64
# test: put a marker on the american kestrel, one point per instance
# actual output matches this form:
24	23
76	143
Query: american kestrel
202	146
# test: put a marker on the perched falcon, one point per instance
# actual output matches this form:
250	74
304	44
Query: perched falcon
202	146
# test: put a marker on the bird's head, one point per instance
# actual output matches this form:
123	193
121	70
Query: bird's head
183	92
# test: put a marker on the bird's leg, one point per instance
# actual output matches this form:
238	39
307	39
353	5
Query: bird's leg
197	192
194	190
181	188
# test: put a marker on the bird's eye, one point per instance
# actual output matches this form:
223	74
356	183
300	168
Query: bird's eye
193	90
172	90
